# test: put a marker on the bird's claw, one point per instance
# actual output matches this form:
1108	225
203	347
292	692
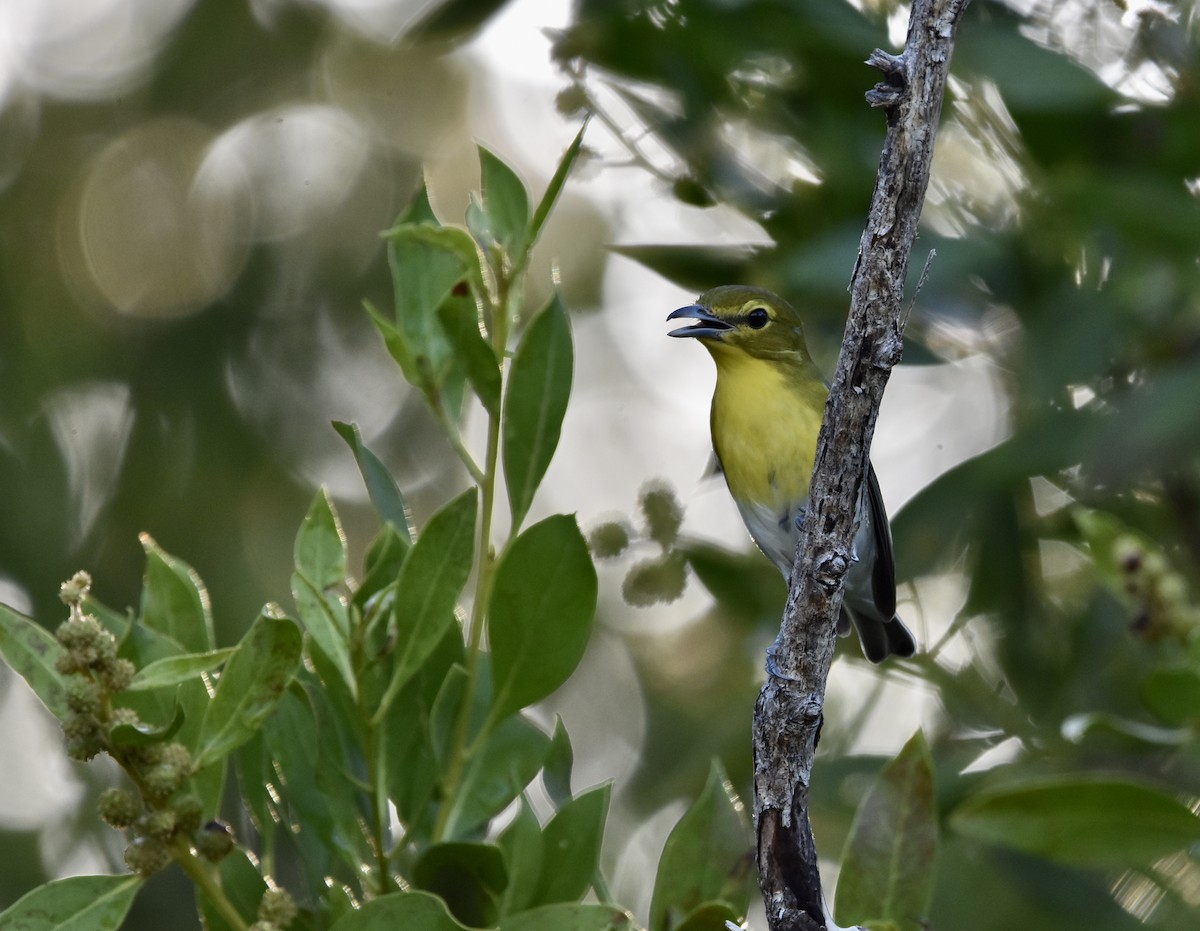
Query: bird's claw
773	669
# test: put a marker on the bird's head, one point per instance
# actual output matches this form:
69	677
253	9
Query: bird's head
736	318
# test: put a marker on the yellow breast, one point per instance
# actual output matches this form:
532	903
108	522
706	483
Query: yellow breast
765	420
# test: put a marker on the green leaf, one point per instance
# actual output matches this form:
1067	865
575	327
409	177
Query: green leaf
419	209
1083	822
426	263
460	319
31	651
470	877
144	733
327	621
320	551
1173	693
320	557
250	687
887	867
505	201
496	774
744	583
571	847
412	911
570	917
556	772
542	212
521	842
311	766
693	267
115	622
78	903
381	565
707	857
174	600
411	754
381	486
175	670
542	602
430	582
534	404
712	916
443	715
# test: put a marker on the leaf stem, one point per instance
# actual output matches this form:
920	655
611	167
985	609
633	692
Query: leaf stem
485	561
450	429
200	874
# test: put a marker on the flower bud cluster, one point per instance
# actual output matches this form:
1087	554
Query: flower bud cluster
95	675
1164	610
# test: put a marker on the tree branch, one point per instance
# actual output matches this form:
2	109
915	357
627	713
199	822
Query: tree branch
788	715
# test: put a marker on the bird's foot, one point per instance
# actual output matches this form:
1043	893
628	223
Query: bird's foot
773	669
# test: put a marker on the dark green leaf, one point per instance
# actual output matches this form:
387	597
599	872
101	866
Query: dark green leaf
521	842
312	768
115	622
320	558
696	268
443	717
411	911
534	404
433	575
540	614
1083	822
743	583
384	558
320	551
570	917
1173	693
496	774
175	670
327	621
460	319
556	773
454	20
505	200
554	188
707	857
415	735
419	209
174	600
712	916
381	486
78	903
571	847
426	263
470	877
31	651
1029	76
250	687
887	867
144	733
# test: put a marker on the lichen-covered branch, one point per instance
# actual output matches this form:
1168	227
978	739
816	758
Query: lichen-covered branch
787	717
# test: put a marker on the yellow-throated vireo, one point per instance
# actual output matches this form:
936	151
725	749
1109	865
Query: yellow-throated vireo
766	413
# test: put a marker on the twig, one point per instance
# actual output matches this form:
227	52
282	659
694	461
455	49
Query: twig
788	715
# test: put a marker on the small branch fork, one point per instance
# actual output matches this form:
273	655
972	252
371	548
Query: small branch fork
788	715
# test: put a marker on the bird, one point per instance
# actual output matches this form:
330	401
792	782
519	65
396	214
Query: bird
765	416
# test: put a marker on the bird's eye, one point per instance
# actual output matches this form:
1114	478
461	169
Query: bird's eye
758	318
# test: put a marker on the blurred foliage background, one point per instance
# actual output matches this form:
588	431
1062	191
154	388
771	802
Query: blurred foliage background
191	193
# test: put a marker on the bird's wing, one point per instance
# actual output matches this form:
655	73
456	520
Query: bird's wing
883	575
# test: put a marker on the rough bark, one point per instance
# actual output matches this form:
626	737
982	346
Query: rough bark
787	717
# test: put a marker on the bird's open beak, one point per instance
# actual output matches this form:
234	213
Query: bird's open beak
706	325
